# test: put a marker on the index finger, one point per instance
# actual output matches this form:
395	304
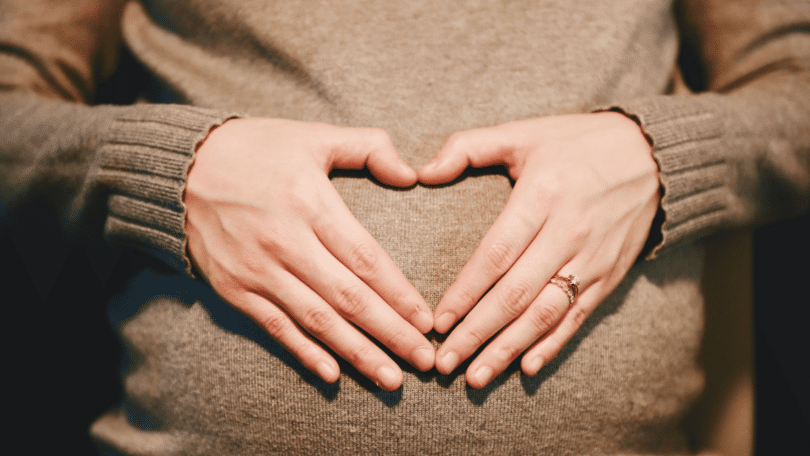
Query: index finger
507	239
509	298
348	241
354	301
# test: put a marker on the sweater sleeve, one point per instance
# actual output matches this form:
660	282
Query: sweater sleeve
737	151
126	165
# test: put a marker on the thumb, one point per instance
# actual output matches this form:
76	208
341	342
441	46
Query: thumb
372	148
477	148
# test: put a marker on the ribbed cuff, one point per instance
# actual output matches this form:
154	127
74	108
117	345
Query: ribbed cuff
686	139
144	160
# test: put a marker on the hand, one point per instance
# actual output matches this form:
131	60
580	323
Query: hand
585	194
273	237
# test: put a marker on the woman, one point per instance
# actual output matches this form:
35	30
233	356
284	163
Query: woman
582	103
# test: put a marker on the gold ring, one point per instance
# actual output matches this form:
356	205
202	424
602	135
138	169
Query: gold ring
570	285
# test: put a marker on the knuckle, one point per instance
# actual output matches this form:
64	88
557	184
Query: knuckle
499	257
275	324
579	232
228	285
271	240
298	204
516	297
580	315
466	297
507	352
350	300
318	321
544	317
359	355
551	188
304	203
395	339
363	260
475	338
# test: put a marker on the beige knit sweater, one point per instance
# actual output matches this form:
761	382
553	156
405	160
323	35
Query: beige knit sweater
202	379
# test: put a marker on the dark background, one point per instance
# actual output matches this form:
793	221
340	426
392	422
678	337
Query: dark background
782	337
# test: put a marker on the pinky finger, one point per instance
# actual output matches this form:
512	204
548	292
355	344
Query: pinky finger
283	329
545	349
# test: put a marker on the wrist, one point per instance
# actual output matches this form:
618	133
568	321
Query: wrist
633	126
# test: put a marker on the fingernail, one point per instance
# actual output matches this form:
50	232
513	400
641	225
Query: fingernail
424	358
325	371
424	321
450	361
484	375
386	378
444	321
535	365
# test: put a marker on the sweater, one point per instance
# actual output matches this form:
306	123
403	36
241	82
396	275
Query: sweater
729	133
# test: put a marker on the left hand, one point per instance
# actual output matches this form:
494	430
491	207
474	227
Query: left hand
586	192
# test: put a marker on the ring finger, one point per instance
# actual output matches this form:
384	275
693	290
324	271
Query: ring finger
510	297
550	344
542	315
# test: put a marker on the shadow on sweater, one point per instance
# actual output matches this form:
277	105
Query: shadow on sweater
157	280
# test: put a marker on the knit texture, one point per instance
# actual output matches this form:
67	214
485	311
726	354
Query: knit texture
202	379
137	156
144	164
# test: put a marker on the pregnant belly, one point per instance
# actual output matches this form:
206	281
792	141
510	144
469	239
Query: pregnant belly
202	379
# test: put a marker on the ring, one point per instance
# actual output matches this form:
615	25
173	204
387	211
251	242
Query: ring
570	285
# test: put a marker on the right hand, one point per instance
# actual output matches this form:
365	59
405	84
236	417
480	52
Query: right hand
274	239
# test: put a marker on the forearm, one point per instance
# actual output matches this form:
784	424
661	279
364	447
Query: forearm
127	164
739	151
66	160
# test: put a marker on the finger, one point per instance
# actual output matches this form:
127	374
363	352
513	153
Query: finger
358	251
358	303
622	248
477	148
513	230
281	328
545	349
355	148
543	314
510	297
320	320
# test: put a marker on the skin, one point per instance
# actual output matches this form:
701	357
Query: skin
261	225
586	192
